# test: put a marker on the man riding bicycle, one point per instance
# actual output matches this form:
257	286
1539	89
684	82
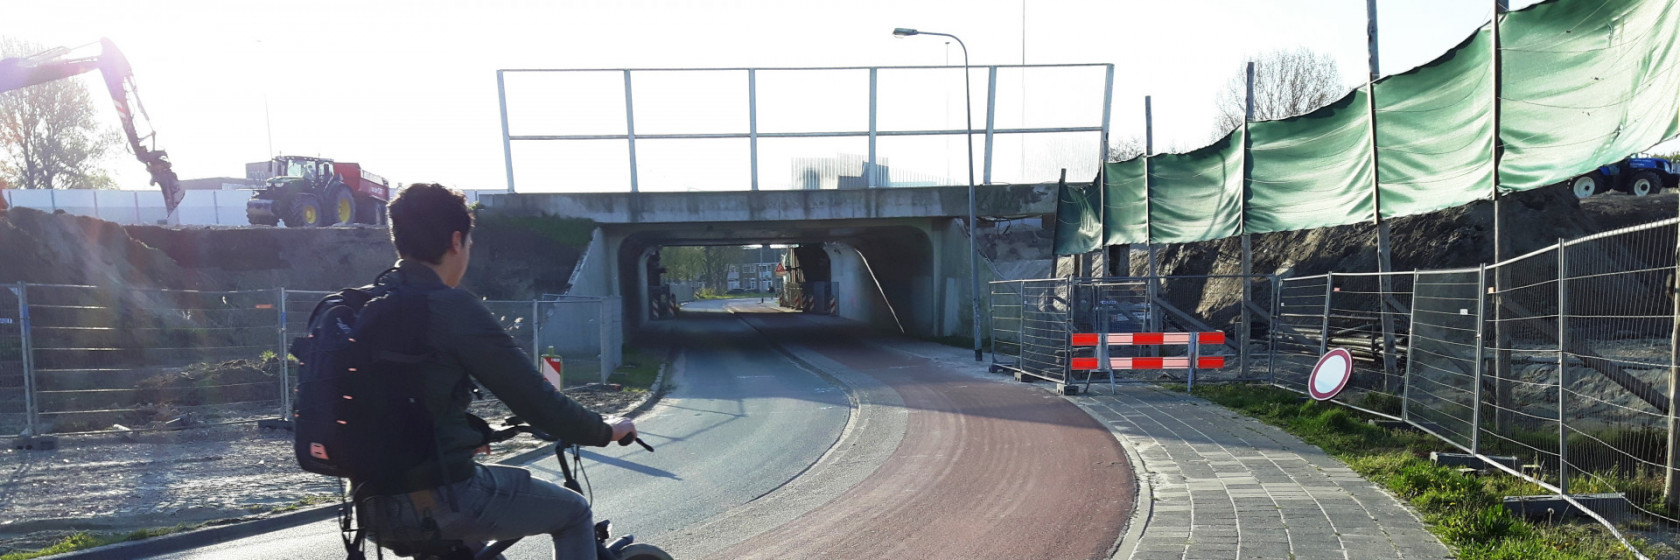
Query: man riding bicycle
452	497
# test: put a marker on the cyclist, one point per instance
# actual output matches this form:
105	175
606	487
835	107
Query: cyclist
460	499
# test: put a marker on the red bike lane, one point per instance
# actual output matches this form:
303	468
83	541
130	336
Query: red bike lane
987	469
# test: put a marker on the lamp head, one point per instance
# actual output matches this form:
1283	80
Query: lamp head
903	32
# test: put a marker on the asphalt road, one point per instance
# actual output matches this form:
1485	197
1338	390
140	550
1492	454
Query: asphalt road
741	421
924	455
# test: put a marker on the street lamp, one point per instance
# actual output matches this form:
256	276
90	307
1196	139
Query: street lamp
973	226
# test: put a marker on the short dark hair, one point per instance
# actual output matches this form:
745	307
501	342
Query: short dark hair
423	218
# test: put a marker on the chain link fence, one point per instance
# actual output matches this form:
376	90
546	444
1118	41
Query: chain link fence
86	359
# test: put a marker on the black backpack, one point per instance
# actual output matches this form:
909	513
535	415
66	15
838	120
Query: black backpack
360	410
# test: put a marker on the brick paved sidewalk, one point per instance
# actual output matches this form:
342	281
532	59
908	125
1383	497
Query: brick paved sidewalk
1216	484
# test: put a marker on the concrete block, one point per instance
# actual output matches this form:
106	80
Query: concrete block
1468	460
1613	507
35	443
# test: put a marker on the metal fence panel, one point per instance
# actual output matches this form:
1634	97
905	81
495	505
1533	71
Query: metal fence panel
13	397
1298	329
1520	412
1620	321
140	357
1442	362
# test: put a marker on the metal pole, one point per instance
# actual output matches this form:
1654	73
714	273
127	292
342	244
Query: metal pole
29	418
752	124
1247	240
1501	277
1563	371
630	131
1195	352
1324	337
973	226
604	310
285	361
1108	112
1476	379
1385	264
991	123
536	335
869	168
507	141
1149	150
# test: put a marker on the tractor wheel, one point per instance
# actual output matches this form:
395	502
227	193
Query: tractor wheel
1587	185
343	208
306	212
1644	183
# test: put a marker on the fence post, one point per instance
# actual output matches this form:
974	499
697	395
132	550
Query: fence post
1406	386
285	363
1563	366
1476	377
536	333
28	360
1272	330
1324	337
1671	479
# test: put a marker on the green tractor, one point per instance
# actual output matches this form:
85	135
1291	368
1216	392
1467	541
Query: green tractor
314	192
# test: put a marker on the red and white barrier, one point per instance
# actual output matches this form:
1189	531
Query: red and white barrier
1103	362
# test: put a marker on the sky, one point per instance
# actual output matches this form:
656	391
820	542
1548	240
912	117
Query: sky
409	89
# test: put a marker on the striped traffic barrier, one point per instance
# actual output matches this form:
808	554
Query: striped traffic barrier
833	306
1102	362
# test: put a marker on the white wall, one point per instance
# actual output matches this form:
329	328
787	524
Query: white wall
145	207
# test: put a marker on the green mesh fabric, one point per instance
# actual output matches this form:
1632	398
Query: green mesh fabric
1197	195
1126	211
1581	84
1435	131
1312	171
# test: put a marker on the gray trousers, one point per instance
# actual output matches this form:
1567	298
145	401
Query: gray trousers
496	503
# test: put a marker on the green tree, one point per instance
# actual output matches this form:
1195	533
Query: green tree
50	135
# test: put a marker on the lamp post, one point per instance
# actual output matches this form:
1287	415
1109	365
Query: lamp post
973	226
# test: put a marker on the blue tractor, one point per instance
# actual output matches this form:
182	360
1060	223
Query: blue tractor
1638	176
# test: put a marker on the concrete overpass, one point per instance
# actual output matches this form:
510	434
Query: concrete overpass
898	257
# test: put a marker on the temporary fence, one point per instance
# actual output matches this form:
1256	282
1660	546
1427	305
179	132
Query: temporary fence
1034	324
1563	359
77	359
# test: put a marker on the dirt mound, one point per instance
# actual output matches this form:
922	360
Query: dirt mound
1452	238
513	258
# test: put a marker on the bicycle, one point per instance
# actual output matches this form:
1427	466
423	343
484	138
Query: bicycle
607	548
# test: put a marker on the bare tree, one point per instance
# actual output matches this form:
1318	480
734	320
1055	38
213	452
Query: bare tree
1287	83
50	136
1125	149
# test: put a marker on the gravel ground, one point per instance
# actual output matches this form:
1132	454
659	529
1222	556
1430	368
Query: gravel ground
113	483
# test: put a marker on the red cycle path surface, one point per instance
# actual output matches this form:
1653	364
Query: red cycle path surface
987	469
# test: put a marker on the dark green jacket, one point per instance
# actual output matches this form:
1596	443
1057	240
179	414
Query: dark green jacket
470	343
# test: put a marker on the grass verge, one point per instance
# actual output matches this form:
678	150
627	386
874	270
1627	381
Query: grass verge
84	541
640	368
1467	512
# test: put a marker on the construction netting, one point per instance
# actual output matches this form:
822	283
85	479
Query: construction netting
1580	84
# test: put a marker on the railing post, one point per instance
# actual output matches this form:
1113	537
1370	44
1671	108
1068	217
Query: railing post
991	123
1476	378
1195	352
870	166
1324	332
752	124
630	131
285	362
507	141
1563	366
30	413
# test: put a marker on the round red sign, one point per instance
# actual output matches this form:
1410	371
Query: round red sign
1330	375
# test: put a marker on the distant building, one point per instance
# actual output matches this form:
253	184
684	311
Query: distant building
753	277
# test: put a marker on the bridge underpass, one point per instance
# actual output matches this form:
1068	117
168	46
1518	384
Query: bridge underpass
898	258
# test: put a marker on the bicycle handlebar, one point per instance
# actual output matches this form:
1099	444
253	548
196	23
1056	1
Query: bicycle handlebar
515	427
